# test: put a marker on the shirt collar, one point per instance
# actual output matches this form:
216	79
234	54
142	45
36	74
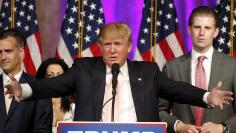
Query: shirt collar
208	54
123	69
6	78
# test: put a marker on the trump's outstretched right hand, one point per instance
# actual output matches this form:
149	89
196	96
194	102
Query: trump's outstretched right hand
218	97
14	88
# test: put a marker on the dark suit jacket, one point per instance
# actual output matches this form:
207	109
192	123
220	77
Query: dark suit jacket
223	68
27	116
87	79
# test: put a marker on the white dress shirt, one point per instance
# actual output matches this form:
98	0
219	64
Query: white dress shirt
127	111
206	64
6	81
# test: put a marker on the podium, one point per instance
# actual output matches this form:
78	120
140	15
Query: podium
114	127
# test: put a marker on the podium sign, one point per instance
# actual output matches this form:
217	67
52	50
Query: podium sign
101	127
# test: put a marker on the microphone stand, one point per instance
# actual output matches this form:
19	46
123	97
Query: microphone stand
115	71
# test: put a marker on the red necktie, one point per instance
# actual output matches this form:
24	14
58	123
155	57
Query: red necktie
200	81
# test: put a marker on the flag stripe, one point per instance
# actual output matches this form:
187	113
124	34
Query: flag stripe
28	63
95	48
87	53
137	55
34	50
180	39
38	40
64	53
164	46
161	60
146	55
174	45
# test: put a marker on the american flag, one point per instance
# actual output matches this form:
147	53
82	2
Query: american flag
80	29
225	41
20	14
159	38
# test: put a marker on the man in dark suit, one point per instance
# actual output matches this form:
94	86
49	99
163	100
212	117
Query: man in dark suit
203	27
140	84
27	116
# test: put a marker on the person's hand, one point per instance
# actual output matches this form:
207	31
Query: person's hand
218	97
210	127
186	128
14	88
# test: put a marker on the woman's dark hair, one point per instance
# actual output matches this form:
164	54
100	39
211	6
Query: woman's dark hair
41	74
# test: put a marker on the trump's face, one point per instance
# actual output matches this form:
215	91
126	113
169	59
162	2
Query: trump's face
114	49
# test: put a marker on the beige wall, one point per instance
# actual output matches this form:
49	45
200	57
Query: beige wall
50	16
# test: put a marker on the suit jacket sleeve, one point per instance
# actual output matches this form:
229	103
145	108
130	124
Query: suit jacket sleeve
165	108
179	91
59	86
232	120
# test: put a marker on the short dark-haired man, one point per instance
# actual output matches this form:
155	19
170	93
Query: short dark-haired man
203	67
27	116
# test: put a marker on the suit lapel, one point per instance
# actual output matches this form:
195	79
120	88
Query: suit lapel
98	73
2	100
216	70
184	69
136	83
14	103
12	108
185	75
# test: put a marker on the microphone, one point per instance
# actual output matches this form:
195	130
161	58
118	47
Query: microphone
115	69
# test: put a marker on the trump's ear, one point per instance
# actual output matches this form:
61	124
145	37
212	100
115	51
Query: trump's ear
99	44
130	47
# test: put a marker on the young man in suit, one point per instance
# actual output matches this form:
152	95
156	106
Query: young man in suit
27	116
217	67
139	84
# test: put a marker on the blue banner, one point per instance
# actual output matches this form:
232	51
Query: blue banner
100	127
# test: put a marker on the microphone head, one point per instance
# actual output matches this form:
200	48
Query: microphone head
115	68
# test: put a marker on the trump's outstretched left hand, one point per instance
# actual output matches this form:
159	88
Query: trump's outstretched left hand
218	98
14	88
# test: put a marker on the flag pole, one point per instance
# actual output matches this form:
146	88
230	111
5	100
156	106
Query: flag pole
80	27
78	23
155	30
12	13
231	27
151	25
